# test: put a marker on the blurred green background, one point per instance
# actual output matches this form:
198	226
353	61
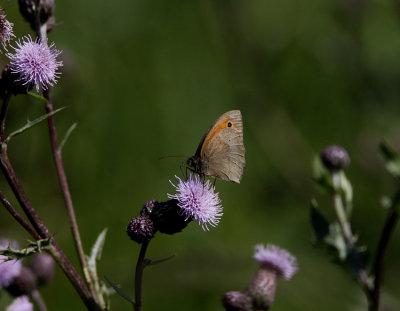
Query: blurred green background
145	79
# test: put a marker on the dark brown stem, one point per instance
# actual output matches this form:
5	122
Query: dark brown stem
18	217
43	232
140	265
3	113
378	268
62	178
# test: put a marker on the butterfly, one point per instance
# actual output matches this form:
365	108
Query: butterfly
220	153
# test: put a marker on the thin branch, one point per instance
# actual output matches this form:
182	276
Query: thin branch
140	265
44	233
362	275
38	299
3	113
379	263
62	178
18	217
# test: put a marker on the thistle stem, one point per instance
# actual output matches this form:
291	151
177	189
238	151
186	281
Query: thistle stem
44	233
18	217
3	113
378	267
62	178
140	265
349	237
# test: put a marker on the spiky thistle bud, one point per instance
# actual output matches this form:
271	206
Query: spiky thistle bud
140	229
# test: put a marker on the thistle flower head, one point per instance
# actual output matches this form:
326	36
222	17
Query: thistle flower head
35	62
197	199
6	30
277	259
140	229
21	303
9	269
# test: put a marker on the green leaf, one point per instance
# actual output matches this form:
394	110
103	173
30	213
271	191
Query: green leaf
97	248
33	248
30	124
38	97
391	157
347	192
156	262
318	222
68	134
321	176
120	292
95	255
335	239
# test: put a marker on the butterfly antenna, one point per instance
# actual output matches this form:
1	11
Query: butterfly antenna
172	156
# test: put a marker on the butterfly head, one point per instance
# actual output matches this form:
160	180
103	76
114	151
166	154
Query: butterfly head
194	164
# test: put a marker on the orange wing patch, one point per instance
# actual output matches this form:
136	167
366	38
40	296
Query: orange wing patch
223	125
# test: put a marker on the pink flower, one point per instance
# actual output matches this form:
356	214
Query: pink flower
35	62
21	303
198	199
8	269
277	259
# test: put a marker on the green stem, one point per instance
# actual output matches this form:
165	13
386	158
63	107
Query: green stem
362	275
37	298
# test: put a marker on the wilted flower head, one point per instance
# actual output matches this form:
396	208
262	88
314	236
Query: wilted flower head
277	259
35	62
6	29
8	269
198	200
21	303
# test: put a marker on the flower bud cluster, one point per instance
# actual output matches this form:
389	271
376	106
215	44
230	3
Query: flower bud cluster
20	281
196	199
156	216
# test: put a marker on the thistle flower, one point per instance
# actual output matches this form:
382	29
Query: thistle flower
35	63
276	259
198	199
8	269
21	303
6	29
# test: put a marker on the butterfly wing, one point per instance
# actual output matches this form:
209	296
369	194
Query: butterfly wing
222	150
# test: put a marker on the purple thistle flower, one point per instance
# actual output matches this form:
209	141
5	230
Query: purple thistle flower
199	200
9	269
277	259
6	29
21	303
35	62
